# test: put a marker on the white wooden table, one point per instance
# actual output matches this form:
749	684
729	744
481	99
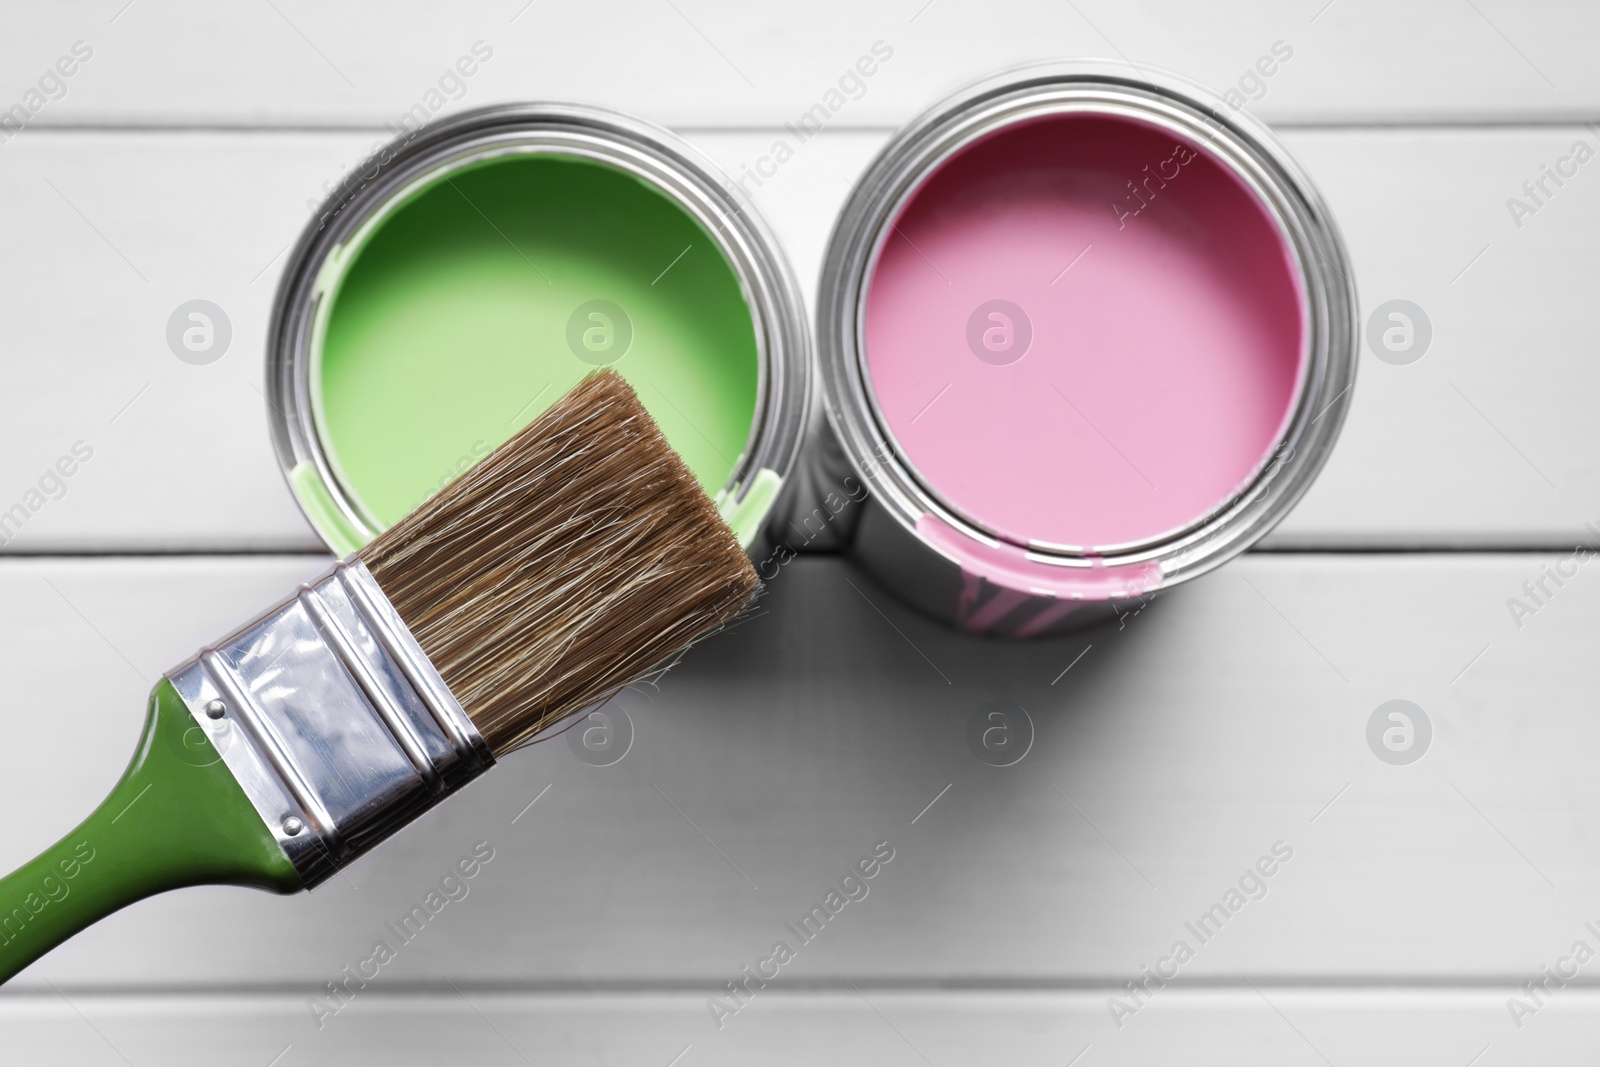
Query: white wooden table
1229	716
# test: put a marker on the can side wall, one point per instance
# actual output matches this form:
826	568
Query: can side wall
910	570
821	506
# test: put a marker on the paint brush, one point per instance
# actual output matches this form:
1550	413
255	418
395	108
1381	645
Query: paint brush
575	559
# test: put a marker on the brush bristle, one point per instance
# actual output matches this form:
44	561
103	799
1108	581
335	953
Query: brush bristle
575	559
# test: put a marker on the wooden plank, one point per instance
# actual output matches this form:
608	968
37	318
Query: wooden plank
717	62
1168	757
1267	1025
122	229
1465	447
1484	442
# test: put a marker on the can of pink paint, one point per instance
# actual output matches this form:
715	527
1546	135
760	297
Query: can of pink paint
1085	332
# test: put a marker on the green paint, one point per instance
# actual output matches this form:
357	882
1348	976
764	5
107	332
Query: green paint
341	535
745	516
177	818
447	322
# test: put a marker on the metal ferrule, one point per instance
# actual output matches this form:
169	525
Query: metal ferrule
332	720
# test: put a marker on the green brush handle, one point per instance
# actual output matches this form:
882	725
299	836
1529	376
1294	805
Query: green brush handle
177	818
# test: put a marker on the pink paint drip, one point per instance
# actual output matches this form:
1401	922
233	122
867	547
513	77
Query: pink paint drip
1009	567
1167	340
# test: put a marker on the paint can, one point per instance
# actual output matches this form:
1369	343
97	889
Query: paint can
1084	332
468	273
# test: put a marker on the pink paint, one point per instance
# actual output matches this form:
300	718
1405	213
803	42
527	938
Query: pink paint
1164	361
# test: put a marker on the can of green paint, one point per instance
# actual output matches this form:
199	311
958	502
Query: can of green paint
464	276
